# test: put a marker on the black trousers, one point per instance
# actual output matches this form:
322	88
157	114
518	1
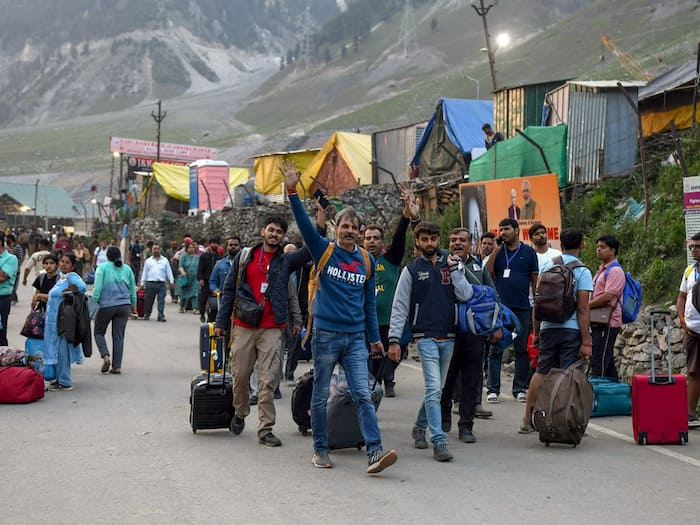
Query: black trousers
204	299
387	372
464	374
5	305
603	351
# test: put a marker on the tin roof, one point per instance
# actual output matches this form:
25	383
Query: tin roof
669	80
608	83
52	201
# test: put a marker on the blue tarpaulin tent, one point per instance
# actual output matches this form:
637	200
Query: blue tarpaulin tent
452	132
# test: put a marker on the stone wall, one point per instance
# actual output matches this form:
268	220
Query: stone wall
633	346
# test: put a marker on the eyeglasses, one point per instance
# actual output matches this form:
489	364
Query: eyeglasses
694	247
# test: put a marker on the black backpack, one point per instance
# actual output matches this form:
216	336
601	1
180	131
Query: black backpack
555	300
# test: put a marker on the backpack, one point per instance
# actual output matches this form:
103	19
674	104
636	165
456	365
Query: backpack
563	406
631	295
696	287
314	282
555	300
481	314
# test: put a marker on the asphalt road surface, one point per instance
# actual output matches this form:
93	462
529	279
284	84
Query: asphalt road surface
119	449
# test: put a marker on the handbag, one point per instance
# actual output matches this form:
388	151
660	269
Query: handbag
601	315
249	311
34	324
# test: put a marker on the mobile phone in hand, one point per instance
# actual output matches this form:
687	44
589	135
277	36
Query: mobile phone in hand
322	200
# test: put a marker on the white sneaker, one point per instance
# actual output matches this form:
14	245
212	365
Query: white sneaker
492	397
522	397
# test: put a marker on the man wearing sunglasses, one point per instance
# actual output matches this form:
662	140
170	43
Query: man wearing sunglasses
690	322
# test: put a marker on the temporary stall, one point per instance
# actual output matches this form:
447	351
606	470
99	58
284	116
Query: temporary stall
520	106
268	178
344	162
175	182
521	156
452	133
670	97
392	151
602	127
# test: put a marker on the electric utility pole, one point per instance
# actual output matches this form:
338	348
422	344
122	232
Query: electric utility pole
160	117
482	11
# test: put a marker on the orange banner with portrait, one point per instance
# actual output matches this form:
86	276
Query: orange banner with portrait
527	199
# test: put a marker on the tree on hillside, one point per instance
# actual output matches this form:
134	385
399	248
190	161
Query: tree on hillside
356	44
343	50
327	57
290	57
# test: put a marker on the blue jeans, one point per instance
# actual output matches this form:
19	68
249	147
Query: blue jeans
350	350
435	356
154	288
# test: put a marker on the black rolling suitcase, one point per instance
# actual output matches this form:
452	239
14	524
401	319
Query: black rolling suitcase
301	401
341	424
211	398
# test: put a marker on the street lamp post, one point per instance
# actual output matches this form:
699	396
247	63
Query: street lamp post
476	81
482	11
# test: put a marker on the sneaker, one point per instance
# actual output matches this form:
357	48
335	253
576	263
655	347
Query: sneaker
492	397
482	412
693	421
237	425
389	390
270	440
525	429
162	320
253	400
321	460
277	394
521	397
467	436
58	387
441	452
379	460
419	440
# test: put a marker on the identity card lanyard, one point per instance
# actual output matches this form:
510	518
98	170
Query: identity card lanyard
506	272
263	286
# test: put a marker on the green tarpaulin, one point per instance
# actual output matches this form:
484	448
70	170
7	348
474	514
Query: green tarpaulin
516	157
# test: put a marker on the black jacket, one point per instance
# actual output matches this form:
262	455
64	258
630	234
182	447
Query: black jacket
74	321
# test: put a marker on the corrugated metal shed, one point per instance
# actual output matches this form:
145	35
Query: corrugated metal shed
669	81
520	106
602	137
393	150
52	201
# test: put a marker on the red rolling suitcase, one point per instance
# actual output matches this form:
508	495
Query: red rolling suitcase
141	303
659	401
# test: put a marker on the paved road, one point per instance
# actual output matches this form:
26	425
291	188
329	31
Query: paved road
118	449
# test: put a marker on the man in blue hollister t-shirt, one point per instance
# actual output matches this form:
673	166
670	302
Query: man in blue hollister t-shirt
344	310
561	344
513	267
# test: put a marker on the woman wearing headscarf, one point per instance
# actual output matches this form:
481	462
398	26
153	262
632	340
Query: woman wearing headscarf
187	282
59	351
115	293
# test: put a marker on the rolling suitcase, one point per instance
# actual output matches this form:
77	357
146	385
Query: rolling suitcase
211	399
659	401
610	398
210	359
301	401
141	303
341	423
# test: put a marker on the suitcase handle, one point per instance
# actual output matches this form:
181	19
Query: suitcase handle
662	380
219	348
666	314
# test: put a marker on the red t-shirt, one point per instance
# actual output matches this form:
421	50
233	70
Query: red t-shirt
256	273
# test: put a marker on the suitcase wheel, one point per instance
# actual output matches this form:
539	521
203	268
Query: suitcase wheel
642	440
682	437
194	430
